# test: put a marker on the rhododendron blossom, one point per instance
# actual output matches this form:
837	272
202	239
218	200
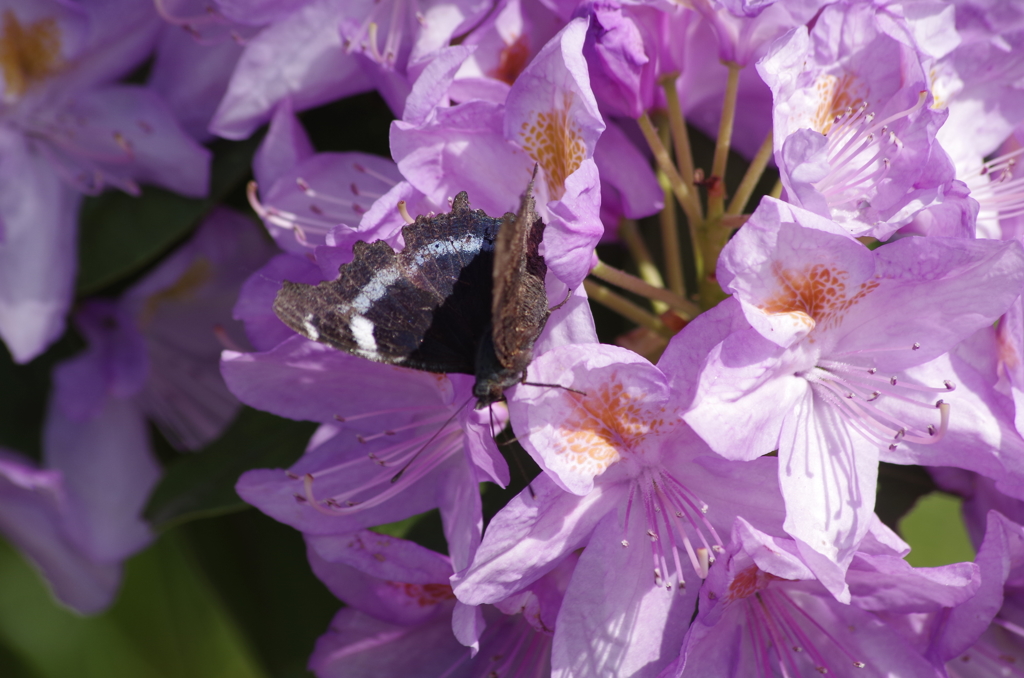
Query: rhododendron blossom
762	302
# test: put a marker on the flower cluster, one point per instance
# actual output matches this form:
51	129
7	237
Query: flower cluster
705	502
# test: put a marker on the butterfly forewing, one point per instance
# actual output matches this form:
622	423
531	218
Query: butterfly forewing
425	307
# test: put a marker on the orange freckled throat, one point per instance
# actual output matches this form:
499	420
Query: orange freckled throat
820	292
425	595
28	53
555	142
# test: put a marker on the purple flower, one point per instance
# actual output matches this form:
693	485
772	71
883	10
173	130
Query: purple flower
192	77
37	516
315	51
64	130
308	199
394	442
644	497
152	354
502	45
762	612
809	359
622	75
855	137
550	119
745	34
983	637
401	611
976	81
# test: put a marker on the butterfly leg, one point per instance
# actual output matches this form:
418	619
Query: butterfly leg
562	303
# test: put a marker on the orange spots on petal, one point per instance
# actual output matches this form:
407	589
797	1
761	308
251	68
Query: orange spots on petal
424	595
605	424
748	582
27	53
816	295
836	95
511	61
554	140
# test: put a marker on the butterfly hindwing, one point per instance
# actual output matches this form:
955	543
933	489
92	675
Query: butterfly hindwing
519	308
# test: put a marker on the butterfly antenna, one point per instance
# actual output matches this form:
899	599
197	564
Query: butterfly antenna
564	388
397	476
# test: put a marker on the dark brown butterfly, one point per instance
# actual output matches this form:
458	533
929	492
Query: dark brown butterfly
465	295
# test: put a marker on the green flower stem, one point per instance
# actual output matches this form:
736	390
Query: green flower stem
687	198
685	308
750	179
680	138
649	273
716	198
626	308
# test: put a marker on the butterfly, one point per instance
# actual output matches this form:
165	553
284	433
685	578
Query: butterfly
465	295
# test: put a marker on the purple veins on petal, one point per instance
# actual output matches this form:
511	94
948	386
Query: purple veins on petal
402	464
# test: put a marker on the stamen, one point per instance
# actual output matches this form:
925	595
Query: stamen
273	215
852	134
845	386
377	413
226	341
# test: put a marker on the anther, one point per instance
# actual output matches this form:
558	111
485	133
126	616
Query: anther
950	386
625	542
915	346
892	380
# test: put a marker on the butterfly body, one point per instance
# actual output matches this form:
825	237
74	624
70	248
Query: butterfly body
465	295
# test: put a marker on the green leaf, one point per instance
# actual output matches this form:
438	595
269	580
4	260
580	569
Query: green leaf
400	528
120	234
202	484
899	488
935	530
260	571
167	623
